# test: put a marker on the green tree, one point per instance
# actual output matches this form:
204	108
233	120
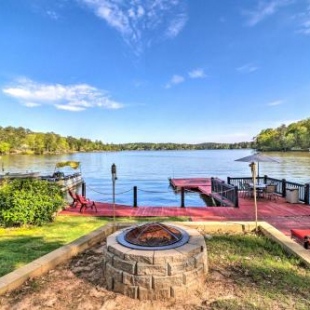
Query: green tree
4	147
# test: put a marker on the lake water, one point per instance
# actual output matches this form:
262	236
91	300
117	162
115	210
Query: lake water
150	171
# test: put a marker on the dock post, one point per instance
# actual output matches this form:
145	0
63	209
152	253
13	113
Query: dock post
236	197
283	187
83	189
135	196
307	191
265	179
182	197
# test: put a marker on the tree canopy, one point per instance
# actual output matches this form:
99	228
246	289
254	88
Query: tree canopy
24	141
295	136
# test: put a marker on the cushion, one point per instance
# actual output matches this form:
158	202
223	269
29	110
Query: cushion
300	233
303	235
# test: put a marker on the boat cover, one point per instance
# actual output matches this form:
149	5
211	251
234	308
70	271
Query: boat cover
70	163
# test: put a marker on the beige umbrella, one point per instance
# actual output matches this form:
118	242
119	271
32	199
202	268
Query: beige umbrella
258	158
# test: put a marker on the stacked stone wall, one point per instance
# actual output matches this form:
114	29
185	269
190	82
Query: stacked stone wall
155	274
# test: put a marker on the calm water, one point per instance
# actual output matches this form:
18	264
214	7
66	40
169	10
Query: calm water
150	171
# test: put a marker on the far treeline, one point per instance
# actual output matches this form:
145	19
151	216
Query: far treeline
24	141
295	136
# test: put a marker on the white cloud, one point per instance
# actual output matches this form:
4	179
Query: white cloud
141	22
247	68
69	108
76	97
264	10
52	14
197	74
303	21
274	103
176	25
305	26
176	79
31	104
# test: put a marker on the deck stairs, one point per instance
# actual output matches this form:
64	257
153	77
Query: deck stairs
209	200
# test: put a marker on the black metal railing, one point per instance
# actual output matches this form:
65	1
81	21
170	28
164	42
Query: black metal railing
225	194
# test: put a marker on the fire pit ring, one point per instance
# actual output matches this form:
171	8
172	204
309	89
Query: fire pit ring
153	236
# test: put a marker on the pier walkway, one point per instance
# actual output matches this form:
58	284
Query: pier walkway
203	185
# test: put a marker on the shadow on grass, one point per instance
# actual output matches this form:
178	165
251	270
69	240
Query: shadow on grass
18	251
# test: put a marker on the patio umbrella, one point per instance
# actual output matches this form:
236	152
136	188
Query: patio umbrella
258	158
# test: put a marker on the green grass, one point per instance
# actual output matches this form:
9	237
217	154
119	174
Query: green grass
260	274
19	246
261	270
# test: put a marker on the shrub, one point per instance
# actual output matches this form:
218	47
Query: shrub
29	202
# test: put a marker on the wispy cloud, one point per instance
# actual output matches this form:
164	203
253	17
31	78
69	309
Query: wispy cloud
176	25
263	10
76	97
305	26
197	74
276	102
303	20
176	79
52	14
247	68
141	22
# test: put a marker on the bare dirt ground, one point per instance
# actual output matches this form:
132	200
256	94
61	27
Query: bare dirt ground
80	285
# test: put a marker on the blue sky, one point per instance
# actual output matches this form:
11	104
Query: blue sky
184	71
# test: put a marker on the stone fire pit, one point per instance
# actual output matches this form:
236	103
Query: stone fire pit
155	261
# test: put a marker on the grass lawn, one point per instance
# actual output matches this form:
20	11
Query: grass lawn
256	274
19	246
246	271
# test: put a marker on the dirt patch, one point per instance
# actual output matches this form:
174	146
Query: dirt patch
80	285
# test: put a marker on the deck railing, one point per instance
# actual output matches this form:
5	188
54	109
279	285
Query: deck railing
282	186
225	194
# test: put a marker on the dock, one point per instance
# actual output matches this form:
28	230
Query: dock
202	185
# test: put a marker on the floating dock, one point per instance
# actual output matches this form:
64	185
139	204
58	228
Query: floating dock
202	185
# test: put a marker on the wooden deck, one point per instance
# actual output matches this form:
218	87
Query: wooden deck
203	185
282	215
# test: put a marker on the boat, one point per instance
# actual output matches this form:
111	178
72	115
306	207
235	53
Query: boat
66	180
19	175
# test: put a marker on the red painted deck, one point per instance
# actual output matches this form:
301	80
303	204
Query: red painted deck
201	184
284	216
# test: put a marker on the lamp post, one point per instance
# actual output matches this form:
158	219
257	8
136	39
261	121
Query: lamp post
114	178
253	170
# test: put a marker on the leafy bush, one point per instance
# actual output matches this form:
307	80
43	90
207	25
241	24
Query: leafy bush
29	202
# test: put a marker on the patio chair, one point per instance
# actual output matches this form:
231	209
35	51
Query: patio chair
241	188
270	191
74	198
85	203
248	190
